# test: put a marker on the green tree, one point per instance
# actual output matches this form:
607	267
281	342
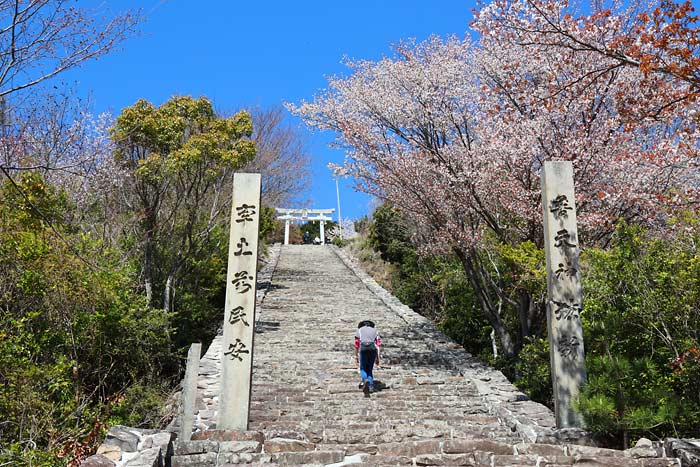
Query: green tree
313	229
642	334
180	157
75	340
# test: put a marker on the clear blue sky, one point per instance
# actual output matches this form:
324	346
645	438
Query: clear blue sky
260	53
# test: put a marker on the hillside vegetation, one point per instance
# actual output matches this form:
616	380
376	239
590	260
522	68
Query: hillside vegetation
640	317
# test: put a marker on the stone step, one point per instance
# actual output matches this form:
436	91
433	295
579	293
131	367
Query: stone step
477	453
437	405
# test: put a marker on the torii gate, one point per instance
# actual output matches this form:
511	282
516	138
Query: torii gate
303	215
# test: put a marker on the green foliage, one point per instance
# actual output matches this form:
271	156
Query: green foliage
627	395
73	333
523	266
389	234
140	405
181	156
313	229
267	221
533	370
641	332
337	241
182	135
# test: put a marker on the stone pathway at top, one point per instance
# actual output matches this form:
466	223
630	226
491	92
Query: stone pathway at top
439	405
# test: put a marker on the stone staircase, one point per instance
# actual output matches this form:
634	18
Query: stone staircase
437	405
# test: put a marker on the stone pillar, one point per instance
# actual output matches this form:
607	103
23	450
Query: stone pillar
239	313
564	290
323	235
286	232
189	392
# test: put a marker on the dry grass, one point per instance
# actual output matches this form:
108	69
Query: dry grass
371	262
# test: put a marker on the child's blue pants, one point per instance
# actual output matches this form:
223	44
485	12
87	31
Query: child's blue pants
367	359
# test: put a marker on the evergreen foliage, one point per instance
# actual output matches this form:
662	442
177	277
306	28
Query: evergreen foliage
75	339
642	334
313	228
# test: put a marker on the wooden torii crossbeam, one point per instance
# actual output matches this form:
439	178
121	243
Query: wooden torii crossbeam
293	214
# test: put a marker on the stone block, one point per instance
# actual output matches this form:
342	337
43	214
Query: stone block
507	460
421	381
288	434
664	462
361	449
638	452
687	450
233	458
194	460
387	460
607	462
110	451
98	460
556	460
446	459
458	446
146	458
185	448
410	449
308	457
540	449
240	446
229	435
161	439
122	436
276	445
590	451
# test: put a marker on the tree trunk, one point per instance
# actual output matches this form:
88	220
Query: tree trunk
169	290
476	279
148	267
524	316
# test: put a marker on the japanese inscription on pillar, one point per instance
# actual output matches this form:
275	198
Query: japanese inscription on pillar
239	312
564	289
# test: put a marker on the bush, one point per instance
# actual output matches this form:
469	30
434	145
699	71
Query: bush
641	331
73	333
533	370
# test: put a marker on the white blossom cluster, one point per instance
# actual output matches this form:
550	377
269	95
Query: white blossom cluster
454	133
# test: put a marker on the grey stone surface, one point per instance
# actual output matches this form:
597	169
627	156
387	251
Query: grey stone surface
239	313
240	446
189	391
111	452
124	437
195	460
687	450
150	457
98	460
437	404
564	290
184	448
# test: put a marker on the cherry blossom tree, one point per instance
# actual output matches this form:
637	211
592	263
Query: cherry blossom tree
454	134
178	157
409	125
